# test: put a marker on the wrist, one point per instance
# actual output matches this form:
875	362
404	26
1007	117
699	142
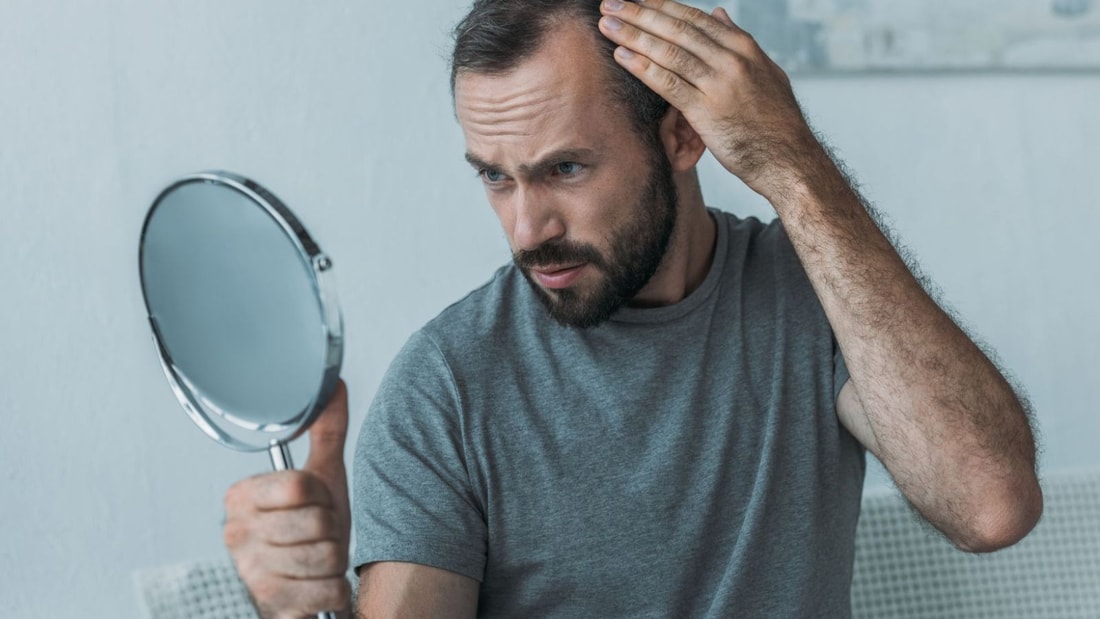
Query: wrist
811	177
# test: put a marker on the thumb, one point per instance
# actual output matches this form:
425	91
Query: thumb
326	440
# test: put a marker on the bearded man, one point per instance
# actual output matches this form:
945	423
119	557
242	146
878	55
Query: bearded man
658	409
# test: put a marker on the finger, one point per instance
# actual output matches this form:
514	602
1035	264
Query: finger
661	25
671	56
278	490
726	32
326	440
286	490
288	597
674	89
324	559
700	19
721	15
298	526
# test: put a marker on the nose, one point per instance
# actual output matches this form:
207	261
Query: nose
536	220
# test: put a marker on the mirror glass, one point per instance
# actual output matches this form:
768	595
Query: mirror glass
235	300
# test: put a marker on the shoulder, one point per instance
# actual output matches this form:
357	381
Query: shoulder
760	253
467	339
471	329
762	264
484	314
755	238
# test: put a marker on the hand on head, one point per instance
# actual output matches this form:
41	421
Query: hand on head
736	98
288	531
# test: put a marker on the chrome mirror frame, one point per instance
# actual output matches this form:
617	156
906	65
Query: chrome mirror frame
318	265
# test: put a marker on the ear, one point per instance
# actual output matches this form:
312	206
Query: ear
682	144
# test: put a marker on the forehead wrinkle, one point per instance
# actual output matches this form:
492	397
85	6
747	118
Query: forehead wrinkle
517	124
502	103
490	116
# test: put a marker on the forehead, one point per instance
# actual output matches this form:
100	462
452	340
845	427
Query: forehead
556	99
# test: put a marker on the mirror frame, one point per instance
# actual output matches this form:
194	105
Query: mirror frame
318	267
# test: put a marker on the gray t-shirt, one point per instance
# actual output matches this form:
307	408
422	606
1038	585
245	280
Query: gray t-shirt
683	461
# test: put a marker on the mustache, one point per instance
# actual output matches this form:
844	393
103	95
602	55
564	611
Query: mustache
557	252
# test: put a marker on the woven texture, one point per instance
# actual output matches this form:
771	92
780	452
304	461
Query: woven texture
199	590
905	570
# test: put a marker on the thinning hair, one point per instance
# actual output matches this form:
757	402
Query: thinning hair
496	36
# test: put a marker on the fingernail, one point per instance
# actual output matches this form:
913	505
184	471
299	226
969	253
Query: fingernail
624	53
613	5
612	23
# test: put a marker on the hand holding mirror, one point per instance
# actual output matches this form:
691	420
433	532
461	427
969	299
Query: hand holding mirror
243	312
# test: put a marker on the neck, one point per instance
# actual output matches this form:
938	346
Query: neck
690	250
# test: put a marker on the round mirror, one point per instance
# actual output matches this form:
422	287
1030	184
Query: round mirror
242	309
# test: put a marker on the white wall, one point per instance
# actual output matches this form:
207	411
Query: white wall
342	109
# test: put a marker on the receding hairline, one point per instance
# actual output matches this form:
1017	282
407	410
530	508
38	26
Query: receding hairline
566	18
563	17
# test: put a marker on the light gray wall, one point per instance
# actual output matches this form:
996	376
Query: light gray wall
342	109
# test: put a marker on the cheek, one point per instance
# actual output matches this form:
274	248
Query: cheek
607	207
505	216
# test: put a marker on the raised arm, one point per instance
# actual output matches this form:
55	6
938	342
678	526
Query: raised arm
923	397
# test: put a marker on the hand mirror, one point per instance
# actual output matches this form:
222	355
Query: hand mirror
243	312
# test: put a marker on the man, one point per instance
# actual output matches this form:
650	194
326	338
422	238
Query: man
649	413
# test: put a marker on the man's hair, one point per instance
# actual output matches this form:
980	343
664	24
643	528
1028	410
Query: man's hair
496	36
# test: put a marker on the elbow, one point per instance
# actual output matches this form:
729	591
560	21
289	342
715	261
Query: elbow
1002	518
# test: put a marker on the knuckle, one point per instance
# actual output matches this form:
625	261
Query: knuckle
236	497
295	488
334	592
749	45
343	589
321	522
677	58
681	28
630	34
695	14
235	534
266	591
737	65
717	32
332	557
670	82
249	569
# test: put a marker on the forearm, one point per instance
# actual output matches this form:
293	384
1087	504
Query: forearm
937	412
942	418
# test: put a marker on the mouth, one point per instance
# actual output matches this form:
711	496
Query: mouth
556	277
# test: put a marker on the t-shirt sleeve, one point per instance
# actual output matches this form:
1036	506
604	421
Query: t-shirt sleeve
411	493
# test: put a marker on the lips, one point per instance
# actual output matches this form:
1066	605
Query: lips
557	277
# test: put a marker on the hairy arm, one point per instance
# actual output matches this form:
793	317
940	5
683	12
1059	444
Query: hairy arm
922	397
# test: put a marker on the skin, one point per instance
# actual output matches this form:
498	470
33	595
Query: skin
288	532
521	126
922	397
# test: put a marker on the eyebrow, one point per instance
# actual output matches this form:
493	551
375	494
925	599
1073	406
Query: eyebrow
556	157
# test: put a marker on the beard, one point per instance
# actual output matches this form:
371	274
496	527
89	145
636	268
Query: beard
636	251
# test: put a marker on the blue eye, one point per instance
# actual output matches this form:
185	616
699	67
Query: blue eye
492	176
568	168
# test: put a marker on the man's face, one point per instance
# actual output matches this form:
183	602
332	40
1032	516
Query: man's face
587	206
